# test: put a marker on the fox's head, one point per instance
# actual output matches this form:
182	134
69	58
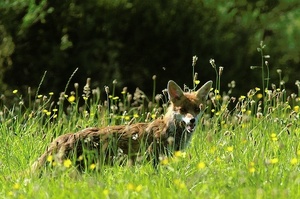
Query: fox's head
186	107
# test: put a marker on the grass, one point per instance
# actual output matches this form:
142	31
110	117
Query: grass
249	151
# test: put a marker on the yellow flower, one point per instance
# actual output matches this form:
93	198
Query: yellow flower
259	95
251	169
197	82
71	99
15	91
115	98
16	186
179	184
80	158
55	110
40	96
50	158
138	188
242	97
164	161
213	150
180	154
201	165
127	117
296	109
274	137
230	148
92	166
51	93
274	160
105	192
130	186
67	163
294	161
257	89
136	115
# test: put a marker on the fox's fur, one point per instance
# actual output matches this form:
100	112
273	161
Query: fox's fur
160	137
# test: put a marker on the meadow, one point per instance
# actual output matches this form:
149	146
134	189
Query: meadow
246	146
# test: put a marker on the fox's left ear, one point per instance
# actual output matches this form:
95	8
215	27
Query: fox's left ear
174	91
202	92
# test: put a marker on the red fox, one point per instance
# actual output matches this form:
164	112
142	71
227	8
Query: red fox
162	136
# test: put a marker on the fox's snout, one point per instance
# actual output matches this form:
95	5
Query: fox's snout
190	122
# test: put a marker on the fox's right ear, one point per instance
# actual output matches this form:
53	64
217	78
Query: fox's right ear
174	91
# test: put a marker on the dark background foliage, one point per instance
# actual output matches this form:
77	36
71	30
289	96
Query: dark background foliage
132	40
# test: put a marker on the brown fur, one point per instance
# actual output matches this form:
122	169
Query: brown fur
161	136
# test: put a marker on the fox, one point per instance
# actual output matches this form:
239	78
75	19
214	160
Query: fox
161	137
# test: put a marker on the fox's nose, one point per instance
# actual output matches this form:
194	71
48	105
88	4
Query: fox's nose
192	120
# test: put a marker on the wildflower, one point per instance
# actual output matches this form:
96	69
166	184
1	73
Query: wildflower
164	161
15	91
230	148
296	109
242	97
179	184
213	150
67	163
85	98
127	117
51	93
16	186
274	160
138	188
257	89
80	158
180	154
195	58
274	137
92	166
201	165
294	161
130	186
218	97
136	115
55	110
251	169
71	99
105	192
115	98
153	116
50	158
40	96
259	95
212	63
197	82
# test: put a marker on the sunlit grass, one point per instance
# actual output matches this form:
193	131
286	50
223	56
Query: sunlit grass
246	146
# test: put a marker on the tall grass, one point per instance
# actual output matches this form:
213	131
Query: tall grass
249	151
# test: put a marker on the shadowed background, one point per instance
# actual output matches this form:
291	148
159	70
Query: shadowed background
132	40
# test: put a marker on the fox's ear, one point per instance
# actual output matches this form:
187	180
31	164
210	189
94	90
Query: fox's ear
202	92
174	91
